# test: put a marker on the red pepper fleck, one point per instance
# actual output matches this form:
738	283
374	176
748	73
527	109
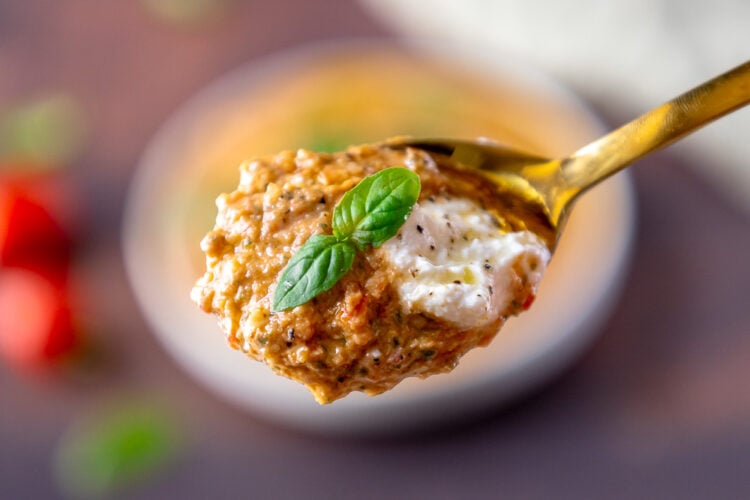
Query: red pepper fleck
529	300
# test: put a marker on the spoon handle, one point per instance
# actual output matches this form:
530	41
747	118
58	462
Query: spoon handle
658	128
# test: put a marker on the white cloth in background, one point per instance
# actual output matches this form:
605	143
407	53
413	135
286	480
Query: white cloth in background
633	54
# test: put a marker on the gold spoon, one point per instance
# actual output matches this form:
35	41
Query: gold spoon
543	190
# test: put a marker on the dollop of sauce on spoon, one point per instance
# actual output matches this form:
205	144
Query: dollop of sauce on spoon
461	264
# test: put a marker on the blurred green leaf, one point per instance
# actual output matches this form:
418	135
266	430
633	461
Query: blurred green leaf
186	12
328	141
44	133
116	450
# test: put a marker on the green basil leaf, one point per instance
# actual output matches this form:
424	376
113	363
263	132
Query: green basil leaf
315	268
369	214
373	211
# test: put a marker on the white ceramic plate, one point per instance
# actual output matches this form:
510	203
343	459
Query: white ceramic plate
578	293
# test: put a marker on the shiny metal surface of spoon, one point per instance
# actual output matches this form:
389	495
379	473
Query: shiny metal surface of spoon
545	189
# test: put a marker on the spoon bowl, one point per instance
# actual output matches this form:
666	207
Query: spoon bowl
542	191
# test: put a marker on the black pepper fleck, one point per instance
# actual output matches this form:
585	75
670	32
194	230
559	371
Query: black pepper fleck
428	353
289	337
420	228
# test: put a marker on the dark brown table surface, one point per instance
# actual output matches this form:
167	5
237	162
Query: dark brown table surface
658	407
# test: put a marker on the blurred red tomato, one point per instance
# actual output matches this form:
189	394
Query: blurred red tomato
35	319
31	235
35	253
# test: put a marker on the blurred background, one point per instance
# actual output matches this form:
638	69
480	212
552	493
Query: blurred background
92	406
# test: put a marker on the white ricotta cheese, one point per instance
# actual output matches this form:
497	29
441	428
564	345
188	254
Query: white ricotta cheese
453	262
